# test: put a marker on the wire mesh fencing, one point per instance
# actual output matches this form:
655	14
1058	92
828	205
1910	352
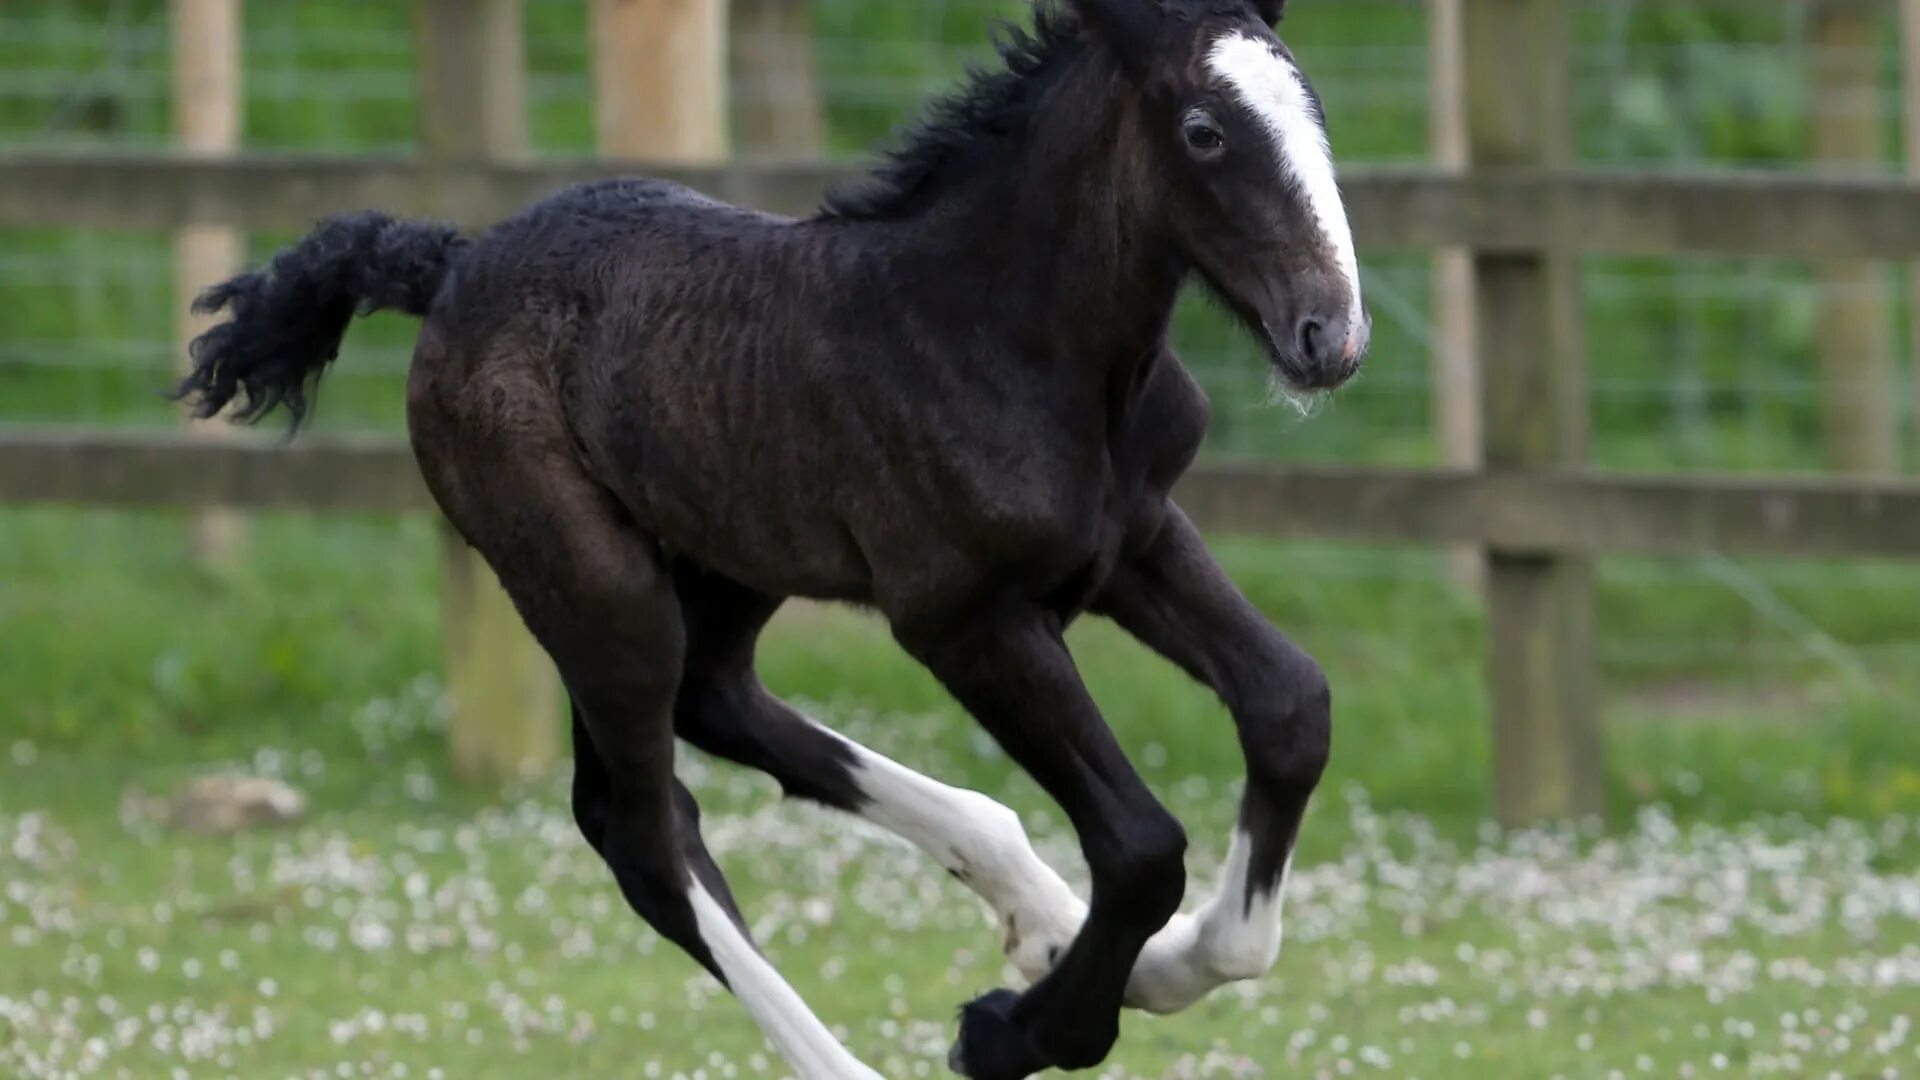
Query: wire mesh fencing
1693	364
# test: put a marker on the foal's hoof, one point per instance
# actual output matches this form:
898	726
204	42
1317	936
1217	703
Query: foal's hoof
991	1045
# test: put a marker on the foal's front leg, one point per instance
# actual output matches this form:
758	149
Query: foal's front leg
1177	600
1011	669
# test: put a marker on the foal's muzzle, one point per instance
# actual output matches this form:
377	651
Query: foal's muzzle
1323	352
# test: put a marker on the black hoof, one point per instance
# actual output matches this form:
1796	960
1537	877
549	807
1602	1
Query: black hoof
991	1045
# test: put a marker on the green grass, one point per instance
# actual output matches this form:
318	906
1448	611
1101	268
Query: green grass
1717	674
416	923
1754	894
402	930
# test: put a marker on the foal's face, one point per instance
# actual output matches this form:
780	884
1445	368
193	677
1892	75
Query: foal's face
1238	157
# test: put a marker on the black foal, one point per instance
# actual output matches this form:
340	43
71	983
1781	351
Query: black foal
949	397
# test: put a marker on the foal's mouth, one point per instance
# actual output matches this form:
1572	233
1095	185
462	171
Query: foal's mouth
1302	376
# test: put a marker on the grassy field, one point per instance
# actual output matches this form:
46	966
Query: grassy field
1751	906
1761	915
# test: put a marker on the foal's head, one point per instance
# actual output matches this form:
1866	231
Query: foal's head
1233	151
1212	140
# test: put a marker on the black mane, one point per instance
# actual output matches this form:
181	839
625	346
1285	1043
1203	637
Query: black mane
988	106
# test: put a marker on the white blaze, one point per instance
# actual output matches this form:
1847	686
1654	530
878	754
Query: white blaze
1275	91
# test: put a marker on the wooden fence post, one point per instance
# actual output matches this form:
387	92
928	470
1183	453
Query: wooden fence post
472	79
1456	365
1547	748
660	79
1910	100
505	694
777	109
206	120
1860	415
506	717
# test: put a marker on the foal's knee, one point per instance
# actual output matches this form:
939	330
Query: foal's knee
1143	861
1286	725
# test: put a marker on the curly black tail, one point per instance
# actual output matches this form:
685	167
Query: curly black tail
285	322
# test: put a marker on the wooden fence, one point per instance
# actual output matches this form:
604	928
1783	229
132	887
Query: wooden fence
1532	508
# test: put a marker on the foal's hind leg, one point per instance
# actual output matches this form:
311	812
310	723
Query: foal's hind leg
724	710
593	591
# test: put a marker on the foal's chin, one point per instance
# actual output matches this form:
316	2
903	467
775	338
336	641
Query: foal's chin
1284	390
1301	388
1294	379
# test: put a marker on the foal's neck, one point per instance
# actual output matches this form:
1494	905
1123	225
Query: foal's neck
1059	241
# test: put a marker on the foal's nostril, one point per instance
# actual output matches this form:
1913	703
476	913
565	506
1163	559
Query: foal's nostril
1328	350
1312	338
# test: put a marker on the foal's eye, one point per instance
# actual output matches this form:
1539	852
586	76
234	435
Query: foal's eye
1204	137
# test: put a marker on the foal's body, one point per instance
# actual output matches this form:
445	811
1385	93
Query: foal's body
803	459
948	397
647	480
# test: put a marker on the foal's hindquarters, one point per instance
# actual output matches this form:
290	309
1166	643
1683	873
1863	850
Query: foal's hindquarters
597	593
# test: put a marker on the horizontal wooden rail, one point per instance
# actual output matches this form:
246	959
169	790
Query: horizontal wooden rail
1600	213
163	470
1564	511
1549	511
113	191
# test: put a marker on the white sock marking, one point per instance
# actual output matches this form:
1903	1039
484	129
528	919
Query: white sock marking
981	841
1276	92
795	1032
976	837
1223	942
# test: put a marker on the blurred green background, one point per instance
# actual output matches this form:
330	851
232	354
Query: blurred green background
1697	363
1772	701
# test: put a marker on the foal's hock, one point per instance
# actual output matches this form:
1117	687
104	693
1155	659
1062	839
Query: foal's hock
948	396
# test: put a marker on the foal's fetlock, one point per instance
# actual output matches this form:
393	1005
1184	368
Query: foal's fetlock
1035	943
1031	952
998	1041
991	1044
1146	869
1229	960
1083	1046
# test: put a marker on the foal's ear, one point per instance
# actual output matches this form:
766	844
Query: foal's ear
1271	10
1130	27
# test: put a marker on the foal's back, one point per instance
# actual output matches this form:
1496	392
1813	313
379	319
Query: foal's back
689	355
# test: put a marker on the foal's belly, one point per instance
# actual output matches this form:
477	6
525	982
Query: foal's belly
782	545
892	541
741	509
858	506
